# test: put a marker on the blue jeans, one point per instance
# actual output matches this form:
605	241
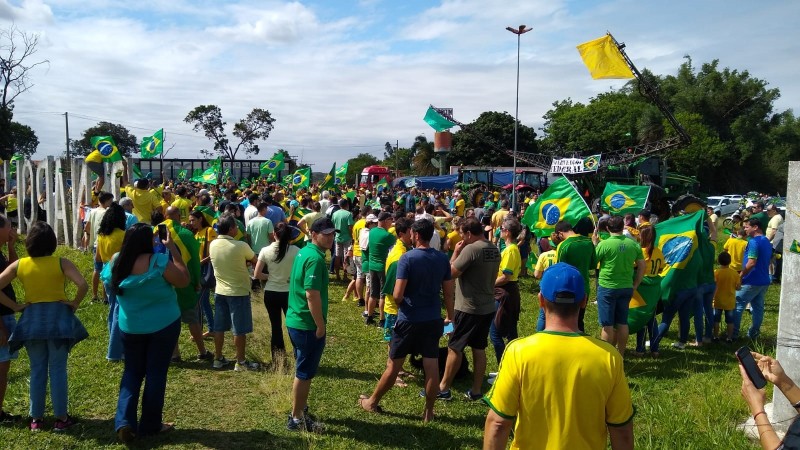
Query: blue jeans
205	302
649	330
497	340
146	357
48	357
705	308
115	349
682	305
755	296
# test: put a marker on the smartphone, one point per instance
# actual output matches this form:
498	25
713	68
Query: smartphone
751	368
448	328
162	232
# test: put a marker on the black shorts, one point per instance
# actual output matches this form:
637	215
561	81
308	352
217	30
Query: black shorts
377	280
421	338
470	330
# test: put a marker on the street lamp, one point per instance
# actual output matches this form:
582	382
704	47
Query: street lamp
519	32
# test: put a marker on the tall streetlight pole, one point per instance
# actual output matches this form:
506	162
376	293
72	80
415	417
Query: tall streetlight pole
519	32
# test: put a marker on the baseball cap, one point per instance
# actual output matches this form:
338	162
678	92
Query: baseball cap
372	218
562	283
323	225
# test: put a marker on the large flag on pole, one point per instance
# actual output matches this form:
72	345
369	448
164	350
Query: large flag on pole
643	303
107	148
603	59
679	239
437	121
328	183
560	201
624	199
301	178
340	177
152	146
274	165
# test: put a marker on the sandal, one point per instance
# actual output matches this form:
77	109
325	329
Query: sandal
400	383
374	409
167	427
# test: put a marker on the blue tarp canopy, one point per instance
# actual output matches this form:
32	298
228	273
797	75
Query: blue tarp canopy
443	182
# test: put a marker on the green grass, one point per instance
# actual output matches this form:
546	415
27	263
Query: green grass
687	399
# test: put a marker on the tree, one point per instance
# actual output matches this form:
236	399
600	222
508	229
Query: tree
24	139
256	126
356	165
17	50
472	148
423	154
126	142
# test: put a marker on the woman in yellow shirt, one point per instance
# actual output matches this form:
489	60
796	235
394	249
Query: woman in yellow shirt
109	241
654	263
48	327
204	233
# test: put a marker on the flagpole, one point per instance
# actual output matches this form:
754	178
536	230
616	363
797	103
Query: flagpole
591	214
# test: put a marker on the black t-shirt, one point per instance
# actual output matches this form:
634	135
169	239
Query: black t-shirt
8	290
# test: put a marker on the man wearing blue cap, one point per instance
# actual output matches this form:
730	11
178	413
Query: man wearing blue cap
565	389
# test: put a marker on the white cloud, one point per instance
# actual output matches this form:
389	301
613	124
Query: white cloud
28	11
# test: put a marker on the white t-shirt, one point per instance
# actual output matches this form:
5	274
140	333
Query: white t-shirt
95	216
279	272
250	212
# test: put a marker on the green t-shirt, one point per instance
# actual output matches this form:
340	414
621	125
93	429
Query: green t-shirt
380	242
578	251
763	219
309	272
617	256
343	221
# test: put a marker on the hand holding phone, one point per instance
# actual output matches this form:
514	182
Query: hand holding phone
162	232
751	368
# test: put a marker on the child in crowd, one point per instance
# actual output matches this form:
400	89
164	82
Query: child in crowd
728	282
735	247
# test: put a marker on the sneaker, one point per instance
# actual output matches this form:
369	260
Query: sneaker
245	366
492	374
679	345
370	320
175	359
442	395
221	362
491	381
126	434
307	423
62	425
37	425
207	356
472	397
295	424
8	417
382	323
361	302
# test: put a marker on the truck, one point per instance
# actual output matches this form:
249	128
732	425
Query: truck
372	175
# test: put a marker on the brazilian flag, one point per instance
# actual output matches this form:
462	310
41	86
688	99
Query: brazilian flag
382	185
340	177
298	237
107	148
328	183
274	165
208	213
287	180
301	178
559	202
679	240
14	158
624	199
182	174
643	303
152	145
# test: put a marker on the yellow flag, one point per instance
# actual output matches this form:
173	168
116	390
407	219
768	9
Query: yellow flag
603	59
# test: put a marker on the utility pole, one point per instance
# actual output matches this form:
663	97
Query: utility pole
397	159
68	165
519	32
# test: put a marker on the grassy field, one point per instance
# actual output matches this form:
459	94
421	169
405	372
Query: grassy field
686	399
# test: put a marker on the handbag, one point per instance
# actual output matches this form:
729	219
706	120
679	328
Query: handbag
207	279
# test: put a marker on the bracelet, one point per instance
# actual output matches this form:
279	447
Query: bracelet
758	414
796	405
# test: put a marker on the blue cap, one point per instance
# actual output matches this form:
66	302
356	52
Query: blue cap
562	283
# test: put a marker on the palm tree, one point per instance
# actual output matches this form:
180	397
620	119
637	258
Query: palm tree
423	153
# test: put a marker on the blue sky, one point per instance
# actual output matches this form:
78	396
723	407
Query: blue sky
344	77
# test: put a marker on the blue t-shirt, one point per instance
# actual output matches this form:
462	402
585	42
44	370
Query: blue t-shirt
759	248
275	214
425	270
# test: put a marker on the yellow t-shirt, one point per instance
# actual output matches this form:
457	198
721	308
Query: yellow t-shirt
42	278
460	205
546	260
144	202
389	306
357	227
498	217
510	262
204	237
453	238
229	258
564	389
735	247
108	245
654	263
184	206
728	282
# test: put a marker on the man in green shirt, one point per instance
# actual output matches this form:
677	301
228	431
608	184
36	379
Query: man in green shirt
618	257
380	242
343	222
577	251
306	317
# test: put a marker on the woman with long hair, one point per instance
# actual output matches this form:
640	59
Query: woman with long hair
654	262
149	319
109	241
204	233
277	259
48	327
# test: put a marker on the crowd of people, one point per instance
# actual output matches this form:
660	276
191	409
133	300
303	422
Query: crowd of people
407	257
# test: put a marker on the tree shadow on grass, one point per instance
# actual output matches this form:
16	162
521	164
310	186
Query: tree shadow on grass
101	432
338	372
398	435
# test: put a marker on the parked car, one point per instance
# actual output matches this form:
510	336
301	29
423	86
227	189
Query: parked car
724	205
734	197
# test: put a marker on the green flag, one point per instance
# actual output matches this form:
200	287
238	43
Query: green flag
274	165
14	158
107	148
340	177
208	176
245	183
382	185
560	201
287	180
678	239
643	303
152	146
624	199
328	183
182	174
137	172
437	121
196	173
351	195
794	248
301	178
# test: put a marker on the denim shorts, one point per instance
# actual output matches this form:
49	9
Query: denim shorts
5	354
233	313
612	305
719	313
307	352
